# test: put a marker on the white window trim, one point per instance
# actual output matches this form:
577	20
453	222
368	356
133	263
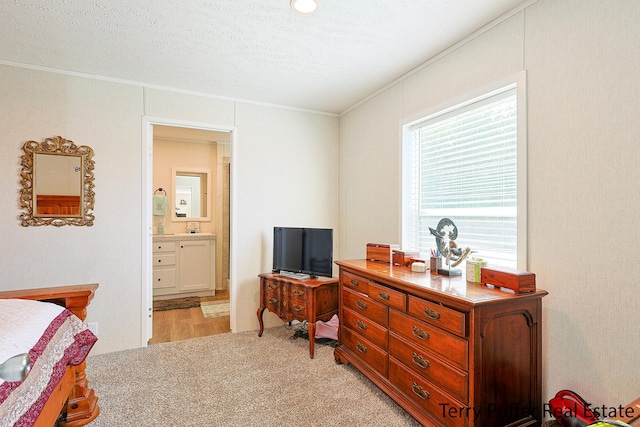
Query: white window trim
519	82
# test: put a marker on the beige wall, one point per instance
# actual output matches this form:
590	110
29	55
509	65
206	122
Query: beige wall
277	152
170	154
581	57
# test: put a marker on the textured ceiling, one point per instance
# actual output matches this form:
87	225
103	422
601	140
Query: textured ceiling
256	50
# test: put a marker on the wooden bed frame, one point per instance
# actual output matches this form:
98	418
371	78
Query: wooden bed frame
72	403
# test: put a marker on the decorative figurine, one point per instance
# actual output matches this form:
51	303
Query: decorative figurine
446	233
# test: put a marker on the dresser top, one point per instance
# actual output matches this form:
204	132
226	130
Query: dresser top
453	288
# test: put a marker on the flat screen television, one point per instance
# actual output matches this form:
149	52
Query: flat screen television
305	252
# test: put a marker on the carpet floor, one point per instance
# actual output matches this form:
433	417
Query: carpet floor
236	380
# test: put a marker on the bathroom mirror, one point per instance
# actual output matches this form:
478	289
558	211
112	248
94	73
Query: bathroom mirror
57	183
191	201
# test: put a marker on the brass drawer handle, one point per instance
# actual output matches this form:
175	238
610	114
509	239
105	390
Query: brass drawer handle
284	288
361	305
361	325
297	307
354	283
419	333
272	285
273	300
383	295
431	314
298	292
419	360
420	392
361	348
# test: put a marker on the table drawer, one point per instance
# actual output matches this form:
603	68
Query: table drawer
366	350
166	259
365	327
272	301
436	314
431	367
427	395
450	347
294	291
297	308
365	306
270	285
356	283
388	296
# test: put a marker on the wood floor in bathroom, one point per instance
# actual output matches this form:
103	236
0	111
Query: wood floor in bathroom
182	324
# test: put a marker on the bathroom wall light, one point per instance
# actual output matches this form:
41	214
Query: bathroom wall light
304	6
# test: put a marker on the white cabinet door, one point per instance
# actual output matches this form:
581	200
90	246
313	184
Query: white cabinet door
194	265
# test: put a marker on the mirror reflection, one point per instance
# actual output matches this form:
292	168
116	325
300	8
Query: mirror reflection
191	194
57	186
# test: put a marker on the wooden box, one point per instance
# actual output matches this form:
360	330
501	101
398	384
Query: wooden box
380	251
516	280
403	258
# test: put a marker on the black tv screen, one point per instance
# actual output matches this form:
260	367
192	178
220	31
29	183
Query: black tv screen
303	250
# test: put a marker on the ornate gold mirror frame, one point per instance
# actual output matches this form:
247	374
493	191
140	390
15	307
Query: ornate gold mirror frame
57	183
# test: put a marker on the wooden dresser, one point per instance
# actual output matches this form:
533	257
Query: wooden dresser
292	299
451	353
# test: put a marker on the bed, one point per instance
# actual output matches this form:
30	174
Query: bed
56	391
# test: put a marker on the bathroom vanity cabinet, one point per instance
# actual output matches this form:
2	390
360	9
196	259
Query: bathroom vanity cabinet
183	265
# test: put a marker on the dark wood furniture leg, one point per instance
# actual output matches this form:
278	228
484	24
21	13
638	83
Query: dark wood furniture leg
311	328
260	312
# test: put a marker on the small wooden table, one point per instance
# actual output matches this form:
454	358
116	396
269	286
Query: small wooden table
291	299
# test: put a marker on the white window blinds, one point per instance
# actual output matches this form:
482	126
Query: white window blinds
463	166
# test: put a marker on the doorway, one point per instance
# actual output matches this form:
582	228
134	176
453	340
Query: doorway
188	140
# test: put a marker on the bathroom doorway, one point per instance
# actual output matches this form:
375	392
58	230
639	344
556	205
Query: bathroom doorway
175	146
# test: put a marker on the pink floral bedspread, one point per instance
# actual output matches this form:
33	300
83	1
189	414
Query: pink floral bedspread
54	338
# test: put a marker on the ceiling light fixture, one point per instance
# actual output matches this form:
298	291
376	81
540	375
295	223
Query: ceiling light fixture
304	6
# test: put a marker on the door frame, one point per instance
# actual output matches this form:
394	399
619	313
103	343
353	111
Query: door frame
147	222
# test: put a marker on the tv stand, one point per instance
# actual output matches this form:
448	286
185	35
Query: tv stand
291	299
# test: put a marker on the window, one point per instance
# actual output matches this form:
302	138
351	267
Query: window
463	164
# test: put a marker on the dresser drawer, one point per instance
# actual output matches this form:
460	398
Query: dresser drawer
296	308
366	350
429	396
365	327
436	314
356	283
164	259
388	296
435	340
294	291
272	301
164	246
270	285
365	306
164	278
431	367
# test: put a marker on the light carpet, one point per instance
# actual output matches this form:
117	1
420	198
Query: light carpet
236	380
211	309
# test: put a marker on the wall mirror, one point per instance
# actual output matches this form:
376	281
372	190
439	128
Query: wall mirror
57	183
191	201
